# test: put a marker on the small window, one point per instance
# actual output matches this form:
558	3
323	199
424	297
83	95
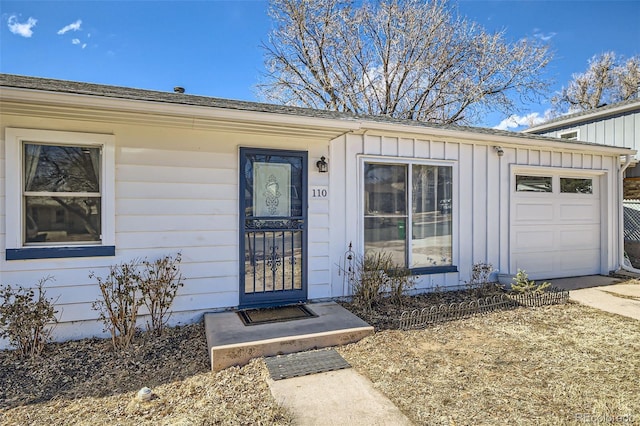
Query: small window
61	203
576	186
570	136
533	183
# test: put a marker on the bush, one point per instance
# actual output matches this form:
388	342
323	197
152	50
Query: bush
480	284
480	274
126	288
120	301
522	284
377	276
25	318
159	284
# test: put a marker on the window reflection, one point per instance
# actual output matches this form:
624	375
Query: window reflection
387	226
61	193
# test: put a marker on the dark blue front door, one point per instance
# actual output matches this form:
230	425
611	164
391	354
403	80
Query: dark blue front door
273	227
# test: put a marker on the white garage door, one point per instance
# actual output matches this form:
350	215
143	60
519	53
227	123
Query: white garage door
555	225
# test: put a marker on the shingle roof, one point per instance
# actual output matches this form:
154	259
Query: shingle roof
118	92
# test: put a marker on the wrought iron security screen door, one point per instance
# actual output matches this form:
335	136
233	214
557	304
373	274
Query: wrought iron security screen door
273	222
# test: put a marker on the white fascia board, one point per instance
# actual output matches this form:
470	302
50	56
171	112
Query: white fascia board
584	117
495	139
182	110
336	126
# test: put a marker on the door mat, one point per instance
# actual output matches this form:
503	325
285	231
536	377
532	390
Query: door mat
270	315
305	363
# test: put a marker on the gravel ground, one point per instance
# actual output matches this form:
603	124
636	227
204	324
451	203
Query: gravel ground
547	365
85	382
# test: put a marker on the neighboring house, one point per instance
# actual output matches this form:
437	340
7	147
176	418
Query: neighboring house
264	201
617	125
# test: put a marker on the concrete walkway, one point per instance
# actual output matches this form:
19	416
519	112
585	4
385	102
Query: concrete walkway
341	397
621	299
608	294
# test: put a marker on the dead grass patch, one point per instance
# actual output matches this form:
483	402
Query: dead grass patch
524	366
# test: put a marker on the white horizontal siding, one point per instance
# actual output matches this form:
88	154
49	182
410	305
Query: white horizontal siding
176	191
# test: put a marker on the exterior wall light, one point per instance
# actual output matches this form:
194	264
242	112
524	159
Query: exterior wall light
322	165
499	150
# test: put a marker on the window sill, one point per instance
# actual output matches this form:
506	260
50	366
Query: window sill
59	252
434	270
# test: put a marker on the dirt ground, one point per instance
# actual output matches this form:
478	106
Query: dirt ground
562	364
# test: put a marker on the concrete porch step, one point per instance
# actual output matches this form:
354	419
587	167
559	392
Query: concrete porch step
231	343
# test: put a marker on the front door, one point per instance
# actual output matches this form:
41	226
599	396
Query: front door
273	227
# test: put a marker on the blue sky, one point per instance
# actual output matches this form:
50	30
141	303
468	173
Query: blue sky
212	48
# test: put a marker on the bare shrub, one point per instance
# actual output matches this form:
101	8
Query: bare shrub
377	276
159	283
480	284
120	302
26	316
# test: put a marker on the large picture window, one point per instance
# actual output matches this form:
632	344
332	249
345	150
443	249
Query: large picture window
60	194
407	212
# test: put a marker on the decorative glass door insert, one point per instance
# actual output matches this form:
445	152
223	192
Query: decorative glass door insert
273	206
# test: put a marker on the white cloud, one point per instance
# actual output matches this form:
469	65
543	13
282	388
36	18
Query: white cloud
515	121
537	33
23	29
71	27
77	42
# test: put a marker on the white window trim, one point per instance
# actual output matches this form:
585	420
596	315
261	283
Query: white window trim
555	173
567	132
362	159
14	139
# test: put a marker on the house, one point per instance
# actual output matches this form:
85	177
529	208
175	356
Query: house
264	201
617	125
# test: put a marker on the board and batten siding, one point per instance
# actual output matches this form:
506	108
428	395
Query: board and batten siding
481	197
621	130
176	191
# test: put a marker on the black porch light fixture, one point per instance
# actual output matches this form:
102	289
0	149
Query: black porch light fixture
322	165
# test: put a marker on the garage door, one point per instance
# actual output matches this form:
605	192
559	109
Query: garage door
555	225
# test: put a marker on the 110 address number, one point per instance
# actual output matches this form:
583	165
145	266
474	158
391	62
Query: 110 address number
319	192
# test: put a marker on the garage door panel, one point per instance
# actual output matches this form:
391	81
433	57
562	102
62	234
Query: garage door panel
581	260
549	264
527	212
576	212
578	237
539	263
531	238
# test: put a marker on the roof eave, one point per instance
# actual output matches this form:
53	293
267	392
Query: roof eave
496	139
580	118
327	127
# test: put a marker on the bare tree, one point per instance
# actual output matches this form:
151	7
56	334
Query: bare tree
608	79
408	59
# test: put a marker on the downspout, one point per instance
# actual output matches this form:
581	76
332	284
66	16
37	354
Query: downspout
625	264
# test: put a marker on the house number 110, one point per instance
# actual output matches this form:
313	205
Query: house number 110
319	192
